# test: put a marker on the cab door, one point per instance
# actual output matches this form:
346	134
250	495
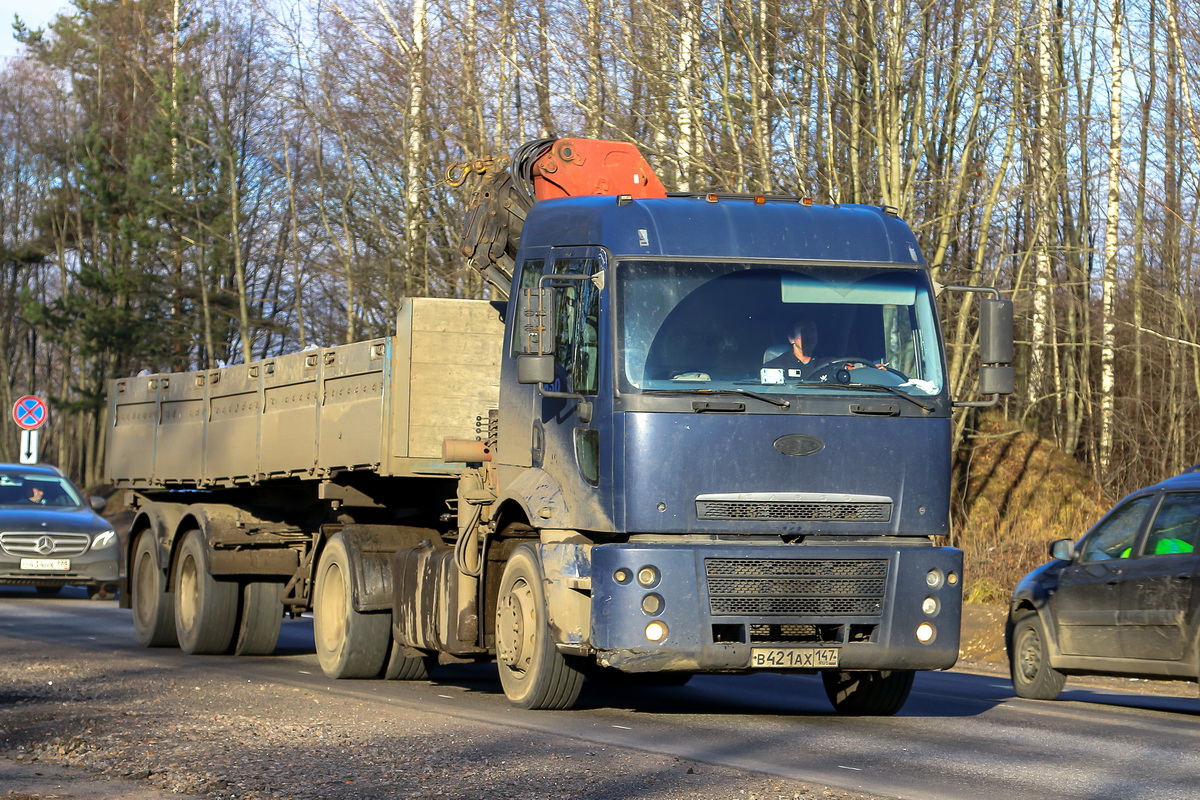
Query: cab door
1086	605
572	435
1157	583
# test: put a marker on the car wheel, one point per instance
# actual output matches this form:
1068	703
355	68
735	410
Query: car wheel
1029	661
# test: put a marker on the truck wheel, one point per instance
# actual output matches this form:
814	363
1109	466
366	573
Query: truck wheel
408	668
869	693
261	619
350	644
153	606
205	608
534	674
1029	663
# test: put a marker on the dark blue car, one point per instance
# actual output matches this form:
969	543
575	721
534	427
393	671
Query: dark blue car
51	536
1119	602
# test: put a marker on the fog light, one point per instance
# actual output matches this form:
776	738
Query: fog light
930	606
648	577
656	631
925	633
933	578
652	604
622	575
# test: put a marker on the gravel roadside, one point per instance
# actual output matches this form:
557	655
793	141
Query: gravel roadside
81	727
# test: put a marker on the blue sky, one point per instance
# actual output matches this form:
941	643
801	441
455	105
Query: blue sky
35	13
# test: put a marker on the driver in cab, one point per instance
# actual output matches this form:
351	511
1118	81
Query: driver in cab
799	363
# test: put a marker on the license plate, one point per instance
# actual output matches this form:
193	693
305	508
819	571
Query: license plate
46	564
793	657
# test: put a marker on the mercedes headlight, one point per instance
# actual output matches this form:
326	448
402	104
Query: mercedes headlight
104	539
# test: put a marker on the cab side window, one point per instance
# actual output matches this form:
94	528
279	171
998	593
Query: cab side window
1116	535
577	327
1174	528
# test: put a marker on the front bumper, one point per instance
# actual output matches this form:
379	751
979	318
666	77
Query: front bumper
719	602
96	566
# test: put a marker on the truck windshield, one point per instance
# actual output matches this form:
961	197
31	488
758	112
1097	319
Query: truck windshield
692	326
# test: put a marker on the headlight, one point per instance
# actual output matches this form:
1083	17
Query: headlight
104	539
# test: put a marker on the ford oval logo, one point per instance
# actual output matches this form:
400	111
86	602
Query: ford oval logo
799	444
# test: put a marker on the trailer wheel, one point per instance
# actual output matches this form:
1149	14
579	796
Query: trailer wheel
534	674
205	608
350	644
261	619
153	606
401	667
870	693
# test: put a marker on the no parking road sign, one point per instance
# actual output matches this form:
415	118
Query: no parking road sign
29	412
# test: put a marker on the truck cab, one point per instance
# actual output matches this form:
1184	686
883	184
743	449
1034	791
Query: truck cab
696	506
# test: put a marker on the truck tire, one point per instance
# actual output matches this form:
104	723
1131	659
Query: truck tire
205	608
153	606
350	644
261	619
869	693
534	674
1029	663
400	667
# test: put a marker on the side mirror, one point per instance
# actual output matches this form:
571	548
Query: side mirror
995	331
535	316
996	376
1063	550
535	369
996	379
97	503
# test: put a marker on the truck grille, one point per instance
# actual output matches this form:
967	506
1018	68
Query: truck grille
792	510
796	587
63	545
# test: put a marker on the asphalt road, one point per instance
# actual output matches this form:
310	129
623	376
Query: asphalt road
961	735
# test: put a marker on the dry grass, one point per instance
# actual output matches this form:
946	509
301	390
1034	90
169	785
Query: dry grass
1018	493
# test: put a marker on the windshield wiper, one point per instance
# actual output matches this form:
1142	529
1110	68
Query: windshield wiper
873	387
765	398
744	392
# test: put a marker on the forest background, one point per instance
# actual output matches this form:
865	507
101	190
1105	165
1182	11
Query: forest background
188	183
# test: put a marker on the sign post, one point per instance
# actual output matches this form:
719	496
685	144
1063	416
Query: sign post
29	413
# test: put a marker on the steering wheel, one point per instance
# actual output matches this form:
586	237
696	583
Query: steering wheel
844	362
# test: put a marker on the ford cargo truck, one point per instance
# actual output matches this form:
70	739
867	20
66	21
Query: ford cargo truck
609	472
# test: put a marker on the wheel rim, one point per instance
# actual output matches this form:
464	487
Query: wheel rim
1029	654
516	628
330	621
188	592
144	601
